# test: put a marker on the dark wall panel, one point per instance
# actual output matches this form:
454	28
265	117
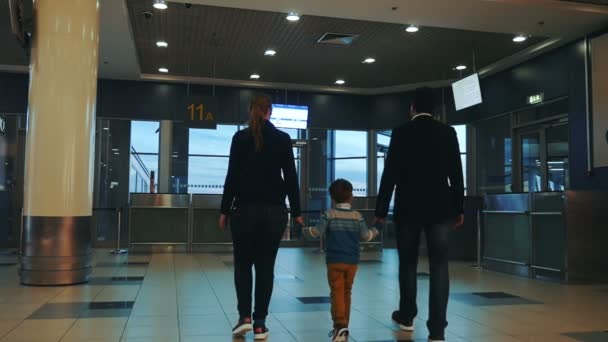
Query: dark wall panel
13	93
556	74
390	111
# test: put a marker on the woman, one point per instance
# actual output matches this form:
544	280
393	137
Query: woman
261	172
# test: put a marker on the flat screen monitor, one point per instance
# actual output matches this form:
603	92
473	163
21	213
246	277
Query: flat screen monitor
289	116
467	92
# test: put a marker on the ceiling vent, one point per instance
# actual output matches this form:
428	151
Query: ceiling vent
338	38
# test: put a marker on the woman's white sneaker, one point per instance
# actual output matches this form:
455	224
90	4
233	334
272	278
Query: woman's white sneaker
242	327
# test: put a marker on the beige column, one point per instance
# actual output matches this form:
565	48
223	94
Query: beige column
60	143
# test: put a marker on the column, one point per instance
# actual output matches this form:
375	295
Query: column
58	192
165	153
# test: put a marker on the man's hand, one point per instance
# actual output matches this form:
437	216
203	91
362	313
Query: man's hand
380	221
222	222
459	221
299	221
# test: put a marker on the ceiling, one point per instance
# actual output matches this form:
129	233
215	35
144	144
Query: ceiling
593	2
229	43
222	41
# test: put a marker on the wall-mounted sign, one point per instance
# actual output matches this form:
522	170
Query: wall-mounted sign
2	125
536	98
199	112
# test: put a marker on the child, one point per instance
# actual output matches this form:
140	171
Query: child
343	228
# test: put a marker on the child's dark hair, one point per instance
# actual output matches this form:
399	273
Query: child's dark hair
341	190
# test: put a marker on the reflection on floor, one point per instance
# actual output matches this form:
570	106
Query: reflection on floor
190	297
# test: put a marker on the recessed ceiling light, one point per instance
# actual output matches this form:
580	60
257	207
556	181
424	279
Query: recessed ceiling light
520	38
160	4
412	29
255	76
340	81
270	52
164	70
162	44
461	67
292	16
369	60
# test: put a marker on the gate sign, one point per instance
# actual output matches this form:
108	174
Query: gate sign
199	112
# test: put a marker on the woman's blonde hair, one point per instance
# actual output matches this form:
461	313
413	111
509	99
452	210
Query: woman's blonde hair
260	105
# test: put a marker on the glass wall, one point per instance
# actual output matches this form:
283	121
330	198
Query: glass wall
12	159
144	155
494	155
350	159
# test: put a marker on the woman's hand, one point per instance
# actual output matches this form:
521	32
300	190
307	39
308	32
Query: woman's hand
299	221
222	222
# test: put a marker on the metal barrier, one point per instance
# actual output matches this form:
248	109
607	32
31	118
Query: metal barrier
559	235
159	221
119	250
204	231
475	204
95	228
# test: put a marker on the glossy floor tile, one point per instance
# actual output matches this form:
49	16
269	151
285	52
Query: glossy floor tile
191	297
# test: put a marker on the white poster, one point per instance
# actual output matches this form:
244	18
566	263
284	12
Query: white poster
599	65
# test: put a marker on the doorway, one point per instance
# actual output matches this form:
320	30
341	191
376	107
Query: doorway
541	157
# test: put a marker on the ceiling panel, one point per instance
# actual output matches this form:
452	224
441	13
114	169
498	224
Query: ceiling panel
229	43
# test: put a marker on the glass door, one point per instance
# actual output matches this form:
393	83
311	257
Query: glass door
531	162
542	156
558	166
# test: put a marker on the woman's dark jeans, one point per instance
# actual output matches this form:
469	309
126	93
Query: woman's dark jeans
256	234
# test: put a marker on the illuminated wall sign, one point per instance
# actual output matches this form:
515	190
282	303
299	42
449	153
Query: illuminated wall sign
2	125
199	112
536	98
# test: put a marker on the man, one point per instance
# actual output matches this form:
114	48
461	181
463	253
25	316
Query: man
424	165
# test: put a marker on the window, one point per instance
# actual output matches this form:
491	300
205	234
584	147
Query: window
144	155
383	141
208	155
461	132
294	134
350	159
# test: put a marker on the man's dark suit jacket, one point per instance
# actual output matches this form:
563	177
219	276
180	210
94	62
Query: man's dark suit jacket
424	165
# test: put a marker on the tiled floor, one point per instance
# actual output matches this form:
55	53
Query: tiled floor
190	297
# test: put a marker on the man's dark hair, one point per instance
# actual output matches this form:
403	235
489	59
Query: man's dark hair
341	190
423	100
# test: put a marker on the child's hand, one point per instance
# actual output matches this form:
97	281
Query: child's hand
375	233
310	232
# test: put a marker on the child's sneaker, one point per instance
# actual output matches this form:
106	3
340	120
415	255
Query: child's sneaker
339	335
242	327
260	332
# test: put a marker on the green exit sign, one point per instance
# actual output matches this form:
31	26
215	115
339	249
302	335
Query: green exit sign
536	98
